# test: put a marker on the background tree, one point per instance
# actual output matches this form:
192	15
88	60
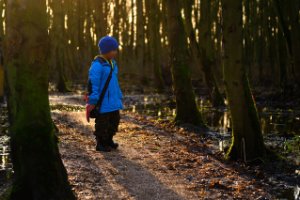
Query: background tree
38	169
142	30
288	17
203	52
154	18
58	44
1	73
140	41
187	111
1	53
247	140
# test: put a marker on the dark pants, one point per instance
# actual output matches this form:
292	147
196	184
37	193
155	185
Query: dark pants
106	126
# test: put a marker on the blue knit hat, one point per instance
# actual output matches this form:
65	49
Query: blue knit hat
107	44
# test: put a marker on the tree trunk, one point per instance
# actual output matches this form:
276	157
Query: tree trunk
126	47
116	22
39	171
1	53
59	45
207	53
140	40
294	9
154	40
247	142
1	74
282	55
287	35
203	52
187	111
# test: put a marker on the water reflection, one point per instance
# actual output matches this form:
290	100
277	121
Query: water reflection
5	162
273	121
297	192
280	127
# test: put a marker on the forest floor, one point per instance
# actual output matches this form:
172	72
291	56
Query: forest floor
159	161
156	160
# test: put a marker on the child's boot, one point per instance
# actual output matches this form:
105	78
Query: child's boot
101	147
111	143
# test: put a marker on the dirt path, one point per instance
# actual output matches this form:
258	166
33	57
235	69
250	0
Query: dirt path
153	162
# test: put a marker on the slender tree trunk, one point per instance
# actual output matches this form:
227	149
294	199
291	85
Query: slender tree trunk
126	50
98	15
187	111
58	42
39	171
294	9
132	39
282	57
154	40
287	35
1	74
247	142
207	53
1	53
116	24
203	52
140	40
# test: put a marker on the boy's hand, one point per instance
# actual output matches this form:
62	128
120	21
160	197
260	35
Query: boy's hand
88	109
86	98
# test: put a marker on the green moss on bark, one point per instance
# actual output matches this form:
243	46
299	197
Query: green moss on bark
187	111
247	141
38	169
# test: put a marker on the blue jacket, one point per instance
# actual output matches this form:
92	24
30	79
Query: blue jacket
98	75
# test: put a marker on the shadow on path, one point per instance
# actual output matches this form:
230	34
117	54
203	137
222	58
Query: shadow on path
138	182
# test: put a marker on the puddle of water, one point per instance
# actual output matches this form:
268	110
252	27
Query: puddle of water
281	128
5	162
274	121
289	193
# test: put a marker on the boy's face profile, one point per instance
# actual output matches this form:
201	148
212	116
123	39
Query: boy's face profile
111	55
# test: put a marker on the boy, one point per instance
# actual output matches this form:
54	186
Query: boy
103	81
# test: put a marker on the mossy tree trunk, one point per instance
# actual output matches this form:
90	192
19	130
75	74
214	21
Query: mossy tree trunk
247	142
187	111
38	169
